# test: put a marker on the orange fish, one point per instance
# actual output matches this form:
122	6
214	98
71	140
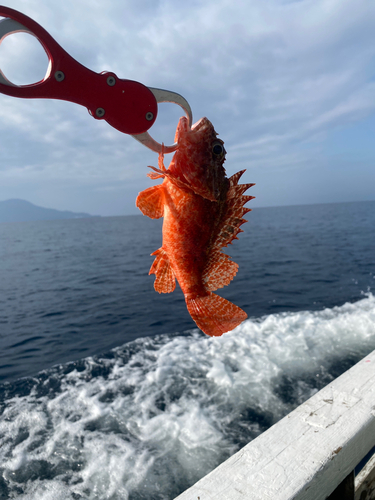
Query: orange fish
203	211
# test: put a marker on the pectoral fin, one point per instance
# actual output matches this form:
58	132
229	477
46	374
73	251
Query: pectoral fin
151	202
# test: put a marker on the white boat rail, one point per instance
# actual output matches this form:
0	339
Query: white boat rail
311	454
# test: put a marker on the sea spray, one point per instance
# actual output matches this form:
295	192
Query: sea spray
153	416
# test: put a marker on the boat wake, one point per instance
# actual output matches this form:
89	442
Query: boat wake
152	417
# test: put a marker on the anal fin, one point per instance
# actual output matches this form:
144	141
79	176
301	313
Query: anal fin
151	202
165	281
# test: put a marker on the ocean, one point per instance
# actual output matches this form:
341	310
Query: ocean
109	391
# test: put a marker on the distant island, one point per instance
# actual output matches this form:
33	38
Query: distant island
15	210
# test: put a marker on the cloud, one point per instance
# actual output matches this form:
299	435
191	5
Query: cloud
275	77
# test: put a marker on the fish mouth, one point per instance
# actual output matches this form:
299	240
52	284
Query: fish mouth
195	132
203	123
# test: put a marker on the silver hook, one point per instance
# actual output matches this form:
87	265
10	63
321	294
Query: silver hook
9	26
165	96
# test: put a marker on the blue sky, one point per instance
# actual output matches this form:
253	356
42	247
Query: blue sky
288	85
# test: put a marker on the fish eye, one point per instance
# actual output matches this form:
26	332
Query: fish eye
218	149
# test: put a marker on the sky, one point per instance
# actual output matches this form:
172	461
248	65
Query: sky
288	85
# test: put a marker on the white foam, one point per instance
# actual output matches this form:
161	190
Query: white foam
168	410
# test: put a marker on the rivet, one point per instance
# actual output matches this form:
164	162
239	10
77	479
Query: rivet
59	76
149	116
111	80
100	112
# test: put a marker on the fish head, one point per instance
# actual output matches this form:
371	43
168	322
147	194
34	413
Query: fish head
199	159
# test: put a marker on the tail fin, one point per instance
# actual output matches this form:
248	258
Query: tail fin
215	315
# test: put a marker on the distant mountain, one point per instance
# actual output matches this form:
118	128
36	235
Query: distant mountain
21	211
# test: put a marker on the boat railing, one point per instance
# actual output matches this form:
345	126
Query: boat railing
324	449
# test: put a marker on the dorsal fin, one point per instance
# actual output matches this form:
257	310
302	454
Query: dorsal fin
233	212
219	271
151	202
165	281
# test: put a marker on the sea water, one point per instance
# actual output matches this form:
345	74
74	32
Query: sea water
110	392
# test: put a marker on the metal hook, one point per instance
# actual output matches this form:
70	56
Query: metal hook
128	106
165	96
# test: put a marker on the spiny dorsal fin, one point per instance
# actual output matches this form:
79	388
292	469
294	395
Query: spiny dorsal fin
219	271
165	281
151	202
234	210
236	177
